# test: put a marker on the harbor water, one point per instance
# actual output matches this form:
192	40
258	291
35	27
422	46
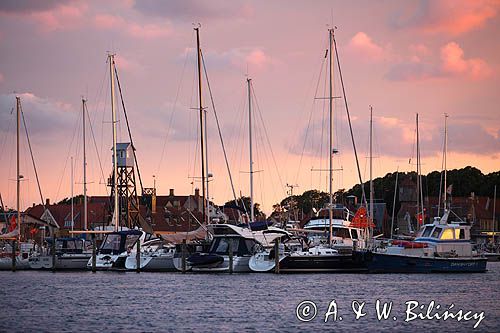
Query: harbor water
175	302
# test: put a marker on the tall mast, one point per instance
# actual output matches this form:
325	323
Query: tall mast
84	169
111	59
206	168
418	174
371	171
72	195
202	144
445	153
18	176
494	219
250	149
330	150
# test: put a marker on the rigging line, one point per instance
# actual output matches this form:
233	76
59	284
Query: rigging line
267	139
309	121
95	146
218	127
128	126
349	120
174	106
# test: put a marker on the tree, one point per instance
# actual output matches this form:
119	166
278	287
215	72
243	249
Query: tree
244	204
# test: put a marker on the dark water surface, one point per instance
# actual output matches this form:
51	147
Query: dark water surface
173	302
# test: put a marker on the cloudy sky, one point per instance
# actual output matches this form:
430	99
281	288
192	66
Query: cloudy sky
430	57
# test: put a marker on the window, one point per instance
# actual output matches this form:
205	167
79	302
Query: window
354	233
67	223
436	232
447	234
131	240
427	232
459	234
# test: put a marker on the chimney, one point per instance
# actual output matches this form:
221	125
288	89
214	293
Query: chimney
196	192
171	192
47	202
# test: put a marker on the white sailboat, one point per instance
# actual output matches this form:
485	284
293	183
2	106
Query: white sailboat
71	253
15	255
326	255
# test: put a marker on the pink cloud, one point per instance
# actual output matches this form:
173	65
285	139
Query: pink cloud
363	46
453	17
454	63
59	18
146	31
1	78
257	58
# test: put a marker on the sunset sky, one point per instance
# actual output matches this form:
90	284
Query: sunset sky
401	57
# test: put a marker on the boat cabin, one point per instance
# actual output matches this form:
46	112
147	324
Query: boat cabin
119	242
70	245
449	240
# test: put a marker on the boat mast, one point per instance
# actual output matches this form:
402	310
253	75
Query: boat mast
202	144
394	201
111	59
494	220
84	169
371	175
250	149
330	151
18	176
445	153
418	173
72	195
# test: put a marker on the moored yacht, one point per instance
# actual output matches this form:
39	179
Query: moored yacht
235	242
116	247
71	254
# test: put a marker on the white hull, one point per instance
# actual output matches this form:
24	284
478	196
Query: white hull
109	261
261	262
6	263
164	263
64	262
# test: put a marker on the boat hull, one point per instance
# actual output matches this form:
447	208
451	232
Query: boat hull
73	262
21	263
106	262
161	263
240	265
392	263
348	263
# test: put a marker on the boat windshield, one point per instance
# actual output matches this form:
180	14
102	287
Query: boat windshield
341	232
111	244
436	232
240	246
131	240
427	231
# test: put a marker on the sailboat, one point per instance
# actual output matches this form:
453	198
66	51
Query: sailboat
121	242
232	246
11	256
443	246
72	253
331	240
